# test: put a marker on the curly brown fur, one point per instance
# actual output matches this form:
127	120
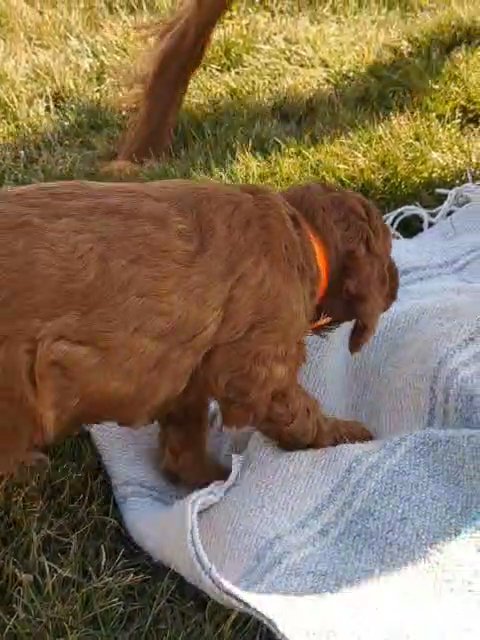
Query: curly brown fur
179	50
134	302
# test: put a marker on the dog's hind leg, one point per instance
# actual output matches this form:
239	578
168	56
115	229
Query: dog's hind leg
20	434
183	440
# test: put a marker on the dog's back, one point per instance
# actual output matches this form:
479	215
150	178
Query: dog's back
112	293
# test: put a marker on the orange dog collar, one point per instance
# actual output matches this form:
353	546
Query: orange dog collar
322	268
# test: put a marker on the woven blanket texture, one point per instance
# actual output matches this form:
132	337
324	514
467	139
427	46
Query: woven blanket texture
359	542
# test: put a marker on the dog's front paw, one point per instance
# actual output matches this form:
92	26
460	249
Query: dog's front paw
194	473
342	432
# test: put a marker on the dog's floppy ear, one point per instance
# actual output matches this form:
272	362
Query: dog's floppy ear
364	281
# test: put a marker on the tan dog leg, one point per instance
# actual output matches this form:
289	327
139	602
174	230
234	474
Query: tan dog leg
16	448
260	388
294	420
183	442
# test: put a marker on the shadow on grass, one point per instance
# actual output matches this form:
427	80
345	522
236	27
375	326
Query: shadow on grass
84	133
79	135
355	100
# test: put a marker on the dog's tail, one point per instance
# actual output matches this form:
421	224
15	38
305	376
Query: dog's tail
180	48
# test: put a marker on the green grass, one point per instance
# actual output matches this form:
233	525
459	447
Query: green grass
383	97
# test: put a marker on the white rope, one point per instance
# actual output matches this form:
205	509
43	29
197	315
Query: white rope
456	198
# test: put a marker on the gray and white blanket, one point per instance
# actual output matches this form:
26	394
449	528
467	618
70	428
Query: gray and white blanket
367	541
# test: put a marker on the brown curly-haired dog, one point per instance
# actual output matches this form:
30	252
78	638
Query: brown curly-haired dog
131	302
